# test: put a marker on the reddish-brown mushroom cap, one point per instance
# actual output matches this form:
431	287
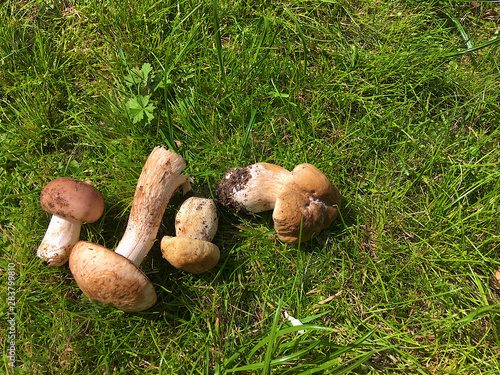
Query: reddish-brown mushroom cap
307	204
110	278
70	202
72	199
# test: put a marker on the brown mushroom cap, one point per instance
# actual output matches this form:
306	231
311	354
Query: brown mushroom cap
190	255
72	199
110	278
308	200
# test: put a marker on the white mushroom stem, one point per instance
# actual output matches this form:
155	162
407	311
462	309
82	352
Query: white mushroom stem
197	218
160	178
254	188
60	237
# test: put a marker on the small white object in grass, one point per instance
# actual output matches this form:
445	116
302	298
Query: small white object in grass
294	321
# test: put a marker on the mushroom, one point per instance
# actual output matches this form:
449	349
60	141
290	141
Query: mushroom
114	277
304	201
70	202
195	226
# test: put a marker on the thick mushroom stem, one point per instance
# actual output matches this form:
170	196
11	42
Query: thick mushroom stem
160	178
252	189
197	218
60	237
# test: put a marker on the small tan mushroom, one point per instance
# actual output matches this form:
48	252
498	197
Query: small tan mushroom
190	255
114	277
304	201
70	202
195	226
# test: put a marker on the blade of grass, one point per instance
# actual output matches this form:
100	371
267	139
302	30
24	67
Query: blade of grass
248	131
272	338
263	35
461	30
256	65
301	36
123	58
169	137
463	33
326	365
478	47
218	42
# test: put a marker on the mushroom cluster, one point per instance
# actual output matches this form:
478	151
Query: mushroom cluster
304	201
114	277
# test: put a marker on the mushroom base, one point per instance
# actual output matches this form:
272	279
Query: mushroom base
61	236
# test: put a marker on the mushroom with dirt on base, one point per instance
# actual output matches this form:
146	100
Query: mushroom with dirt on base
113	277
304	201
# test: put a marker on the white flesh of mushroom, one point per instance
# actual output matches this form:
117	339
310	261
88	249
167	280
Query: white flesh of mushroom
262	189
197	218
60	237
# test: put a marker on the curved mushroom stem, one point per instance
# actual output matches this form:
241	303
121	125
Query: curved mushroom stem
60	237
252	189
159	179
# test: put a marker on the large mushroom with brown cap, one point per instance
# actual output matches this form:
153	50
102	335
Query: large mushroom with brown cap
114	277
196	224
304	201
70	202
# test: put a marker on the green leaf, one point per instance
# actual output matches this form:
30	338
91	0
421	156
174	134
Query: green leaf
139	77
146	69
140	108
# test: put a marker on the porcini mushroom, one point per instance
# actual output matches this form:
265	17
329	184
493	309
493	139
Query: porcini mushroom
114	277
70	202
195	226
304	201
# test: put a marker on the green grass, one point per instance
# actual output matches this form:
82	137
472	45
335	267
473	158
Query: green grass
397	102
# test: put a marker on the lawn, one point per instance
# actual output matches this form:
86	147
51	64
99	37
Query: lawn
396	102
